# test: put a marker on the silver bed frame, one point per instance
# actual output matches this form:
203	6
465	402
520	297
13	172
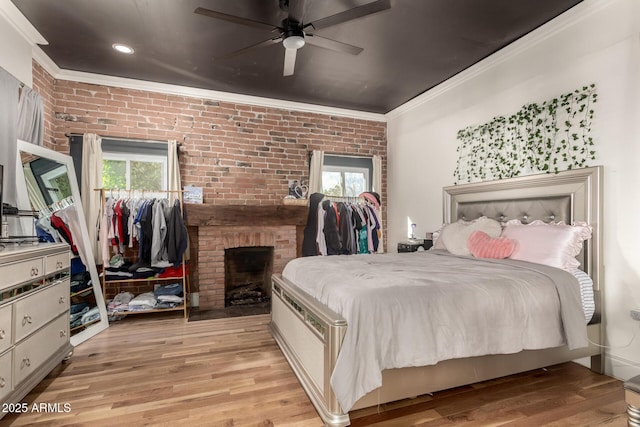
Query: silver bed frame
309	334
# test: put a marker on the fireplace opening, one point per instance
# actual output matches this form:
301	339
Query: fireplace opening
247	276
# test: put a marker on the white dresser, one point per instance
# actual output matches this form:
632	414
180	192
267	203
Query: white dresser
34	316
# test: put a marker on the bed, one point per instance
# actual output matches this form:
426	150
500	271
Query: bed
313	337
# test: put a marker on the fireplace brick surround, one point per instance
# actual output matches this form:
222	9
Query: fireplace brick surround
213	229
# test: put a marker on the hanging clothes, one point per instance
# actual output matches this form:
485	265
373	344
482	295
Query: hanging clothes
342	227
155	226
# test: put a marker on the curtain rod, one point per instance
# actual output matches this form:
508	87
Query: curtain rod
117	138
355	156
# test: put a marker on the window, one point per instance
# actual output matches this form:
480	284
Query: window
127	164
145	172
346	176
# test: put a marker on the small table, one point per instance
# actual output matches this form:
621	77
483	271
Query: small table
412	245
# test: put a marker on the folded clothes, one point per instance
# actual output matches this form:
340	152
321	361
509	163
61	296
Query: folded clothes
77	308
74	317
170	289
145	272
146	299
120	302
79	287
166	305
173	271
170	298
91	315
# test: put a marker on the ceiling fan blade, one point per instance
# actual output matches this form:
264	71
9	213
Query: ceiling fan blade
348	15
334	45
260	45
289	61
296	10
236	19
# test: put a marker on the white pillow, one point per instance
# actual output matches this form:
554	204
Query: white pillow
455	235
553	244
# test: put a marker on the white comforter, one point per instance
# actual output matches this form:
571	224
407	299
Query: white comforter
416	309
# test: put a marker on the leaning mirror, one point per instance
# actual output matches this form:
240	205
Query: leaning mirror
47	184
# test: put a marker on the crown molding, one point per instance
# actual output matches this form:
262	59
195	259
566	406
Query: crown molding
45	62
126	83
569	18
18	22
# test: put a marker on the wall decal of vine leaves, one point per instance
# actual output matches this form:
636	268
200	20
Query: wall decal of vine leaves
547	137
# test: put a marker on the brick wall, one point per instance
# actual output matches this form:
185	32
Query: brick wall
239	154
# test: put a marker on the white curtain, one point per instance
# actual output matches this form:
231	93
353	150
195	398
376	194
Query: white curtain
91	180
9	87
377	175
174	183
315	172
377	187
30	116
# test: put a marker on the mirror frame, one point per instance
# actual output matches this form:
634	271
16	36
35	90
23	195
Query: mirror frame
21	186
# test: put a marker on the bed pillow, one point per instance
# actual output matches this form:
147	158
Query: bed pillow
553	244
436	237
481	245
455	235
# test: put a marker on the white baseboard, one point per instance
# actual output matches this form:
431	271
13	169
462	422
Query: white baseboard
621	368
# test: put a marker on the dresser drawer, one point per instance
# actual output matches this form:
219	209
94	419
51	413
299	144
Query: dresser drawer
57	262
21	272
5	327
35	350
6	377
35	310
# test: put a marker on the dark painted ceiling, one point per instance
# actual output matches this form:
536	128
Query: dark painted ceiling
408	49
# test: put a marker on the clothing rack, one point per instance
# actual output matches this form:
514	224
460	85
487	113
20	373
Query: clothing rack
104	192
346	199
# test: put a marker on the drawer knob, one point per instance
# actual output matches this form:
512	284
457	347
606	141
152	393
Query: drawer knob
26	319
62	300
59	264
3	382
63	333
34	271
25	362
2	334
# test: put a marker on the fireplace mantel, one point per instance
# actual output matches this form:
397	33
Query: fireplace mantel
204	215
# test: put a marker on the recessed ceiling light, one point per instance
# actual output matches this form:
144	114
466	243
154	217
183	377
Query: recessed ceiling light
122	48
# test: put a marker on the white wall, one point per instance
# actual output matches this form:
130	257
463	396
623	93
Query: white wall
16	54
16	39
595	42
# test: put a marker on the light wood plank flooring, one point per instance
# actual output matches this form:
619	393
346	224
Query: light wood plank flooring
229	372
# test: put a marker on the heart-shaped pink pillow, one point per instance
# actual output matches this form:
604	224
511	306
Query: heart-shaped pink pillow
481	245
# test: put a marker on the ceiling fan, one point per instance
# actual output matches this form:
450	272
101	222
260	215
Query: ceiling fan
293	29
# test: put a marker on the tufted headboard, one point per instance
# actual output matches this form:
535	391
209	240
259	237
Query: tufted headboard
568	196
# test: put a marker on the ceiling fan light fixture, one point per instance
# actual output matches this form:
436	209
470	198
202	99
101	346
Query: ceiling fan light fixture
293	42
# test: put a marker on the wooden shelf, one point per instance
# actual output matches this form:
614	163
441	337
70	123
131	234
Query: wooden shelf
154	310
86	291
80	327
148	279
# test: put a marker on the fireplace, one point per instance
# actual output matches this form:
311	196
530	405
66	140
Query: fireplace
247	273
214	230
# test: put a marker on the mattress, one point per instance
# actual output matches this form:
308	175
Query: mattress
416	309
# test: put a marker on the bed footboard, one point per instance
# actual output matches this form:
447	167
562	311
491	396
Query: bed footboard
310	336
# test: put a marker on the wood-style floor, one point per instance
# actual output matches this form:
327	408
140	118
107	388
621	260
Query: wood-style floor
163	371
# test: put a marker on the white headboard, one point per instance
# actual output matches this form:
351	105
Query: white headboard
568	196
